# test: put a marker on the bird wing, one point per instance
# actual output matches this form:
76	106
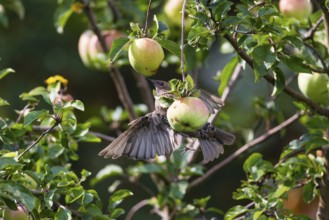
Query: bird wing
213	102
145	138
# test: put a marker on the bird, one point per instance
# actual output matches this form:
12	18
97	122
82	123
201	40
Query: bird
152	135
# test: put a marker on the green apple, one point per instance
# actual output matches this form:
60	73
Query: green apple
299	9
314	86
145	56
187	114
18	214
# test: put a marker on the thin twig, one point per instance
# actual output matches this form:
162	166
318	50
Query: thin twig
147	18
182	41
136	207
114	72
101	136
310	33
320	110
97	134
57	122
116	13
243	149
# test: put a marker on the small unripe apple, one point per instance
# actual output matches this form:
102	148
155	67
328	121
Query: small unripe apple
314	86
187	114
145	56
18	214
299	9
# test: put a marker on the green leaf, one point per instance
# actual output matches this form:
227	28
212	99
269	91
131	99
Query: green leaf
63	214
108	171
62	15
34	115
18	192
117	212
226	74
142	168
5	72
117	198
3	102
76	104
190	82
309	192
263	56
256	167
169	45
295	64
90	138
178	189
8	162
117	46
235	212
220	9
280	81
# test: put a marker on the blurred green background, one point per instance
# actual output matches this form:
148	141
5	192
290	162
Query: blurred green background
34	49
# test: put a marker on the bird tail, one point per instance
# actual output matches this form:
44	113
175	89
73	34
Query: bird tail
224	137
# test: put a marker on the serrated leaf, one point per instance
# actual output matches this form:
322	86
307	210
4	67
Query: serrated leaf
3	102
34	115
169	45
226	74
5	72
117	46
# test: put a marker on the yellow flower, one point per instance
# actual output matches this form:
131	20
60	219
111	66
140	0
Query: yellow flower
54	79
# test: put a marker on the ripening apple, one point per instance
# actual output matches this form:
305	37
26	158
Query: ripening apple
90	49
298	9
18	214
314	86
187	114
145	56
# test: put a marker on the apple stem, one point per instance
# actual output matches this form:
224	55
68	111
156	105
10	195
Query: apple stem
182	41
147	18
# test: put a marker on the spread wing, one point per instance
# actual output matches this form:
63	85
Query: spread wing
213	102
146	137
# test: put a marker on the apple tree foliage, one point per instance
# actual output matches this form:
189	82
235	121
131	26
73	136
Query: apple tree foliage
39	145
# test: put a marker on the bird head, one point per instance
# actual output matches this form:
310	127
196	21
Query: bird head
161	86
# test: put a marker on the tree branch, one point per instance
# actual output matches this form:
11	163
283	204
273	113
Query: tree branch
270	79
136	207
243	149
114	72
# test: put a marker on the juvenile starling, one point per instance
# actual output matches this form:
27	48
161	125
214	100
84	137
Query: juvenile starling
151	134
